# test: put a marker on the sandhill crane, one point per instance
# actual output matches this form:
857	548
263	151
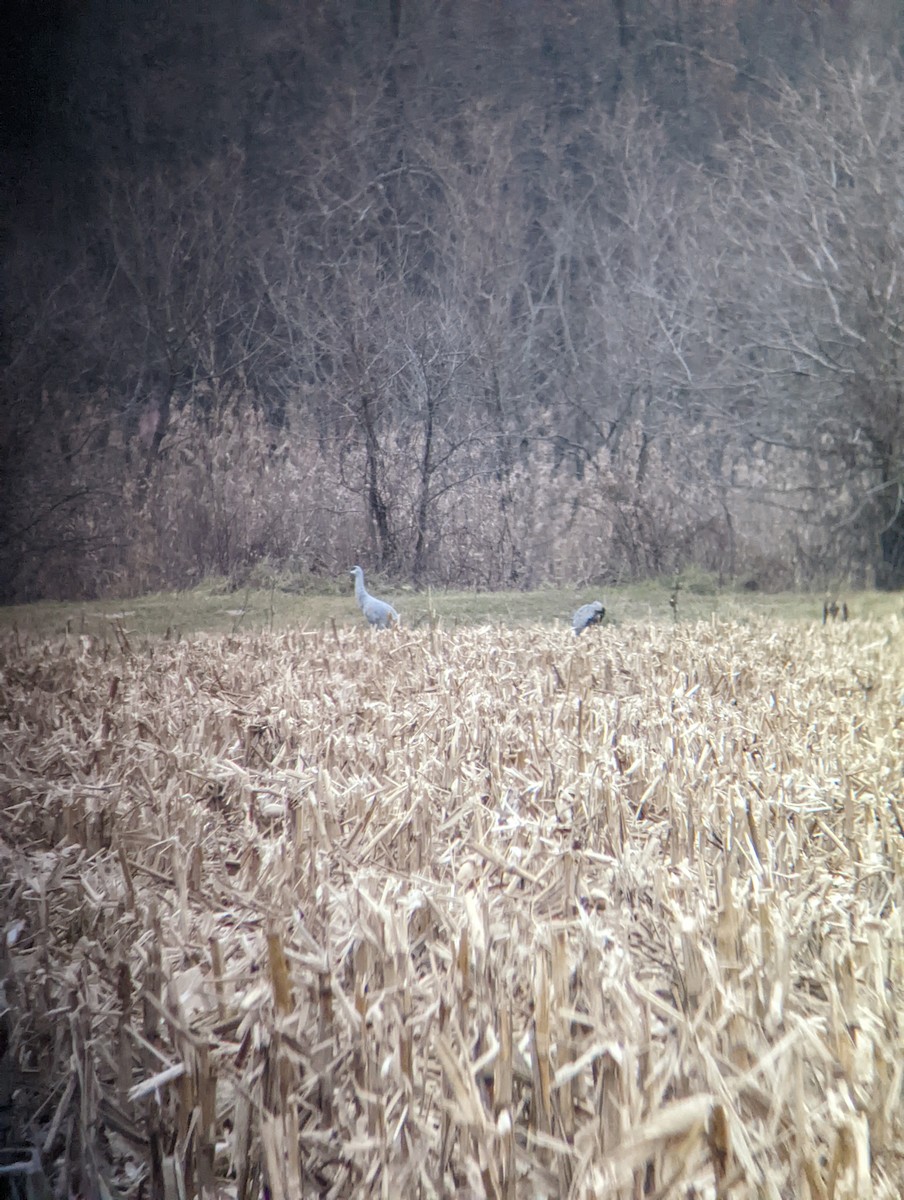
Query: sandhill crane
378	612
587	614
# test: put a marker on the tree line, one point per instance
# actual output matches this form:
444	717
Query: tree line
478	295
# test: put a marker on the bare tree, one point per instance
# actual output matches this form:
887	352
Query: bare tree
810	284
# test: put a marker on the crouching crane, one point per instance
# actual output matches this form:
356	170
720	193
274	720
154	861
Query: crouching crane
378	612
587	614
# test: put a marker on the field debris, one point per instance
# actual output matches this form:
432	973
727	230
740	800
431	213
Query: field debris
481	912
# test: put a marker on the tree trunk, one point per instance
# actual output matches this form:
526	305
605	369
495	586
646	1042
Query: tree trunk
377	508
890	572
423	504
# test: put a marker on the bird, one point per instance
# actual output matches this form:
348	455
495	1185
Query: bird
378	612
587	614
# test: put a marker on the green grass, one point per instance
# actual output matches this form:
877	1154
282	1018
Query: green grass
213	608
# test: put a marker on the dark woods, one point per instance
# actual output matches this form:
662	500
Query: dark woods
480	294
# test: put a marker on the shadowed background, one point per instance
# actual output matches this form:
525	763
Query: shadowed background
489	296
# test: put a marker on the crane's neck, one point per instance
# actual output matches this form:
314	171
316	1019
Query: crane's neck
360	593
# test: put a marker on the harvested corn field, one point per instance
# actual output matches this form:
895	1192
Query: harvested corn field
486	912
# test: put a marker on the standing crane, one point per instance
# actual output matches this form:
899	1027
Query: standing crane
378	612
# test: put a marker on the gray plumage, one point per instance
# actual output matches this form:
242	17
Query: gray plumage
587	614
378	612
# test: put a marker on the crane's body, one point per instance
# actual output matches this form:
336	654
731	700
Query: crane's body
587	614
377	612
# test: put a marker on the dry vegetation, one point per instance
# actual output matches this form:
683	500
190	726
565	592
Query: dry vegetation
471	912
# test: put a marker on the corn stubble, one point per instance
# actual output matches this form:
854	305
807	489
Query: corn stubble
473	913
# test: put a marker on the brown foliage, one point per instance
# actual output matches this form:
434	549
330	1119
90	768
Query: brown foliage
227	494
350	913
